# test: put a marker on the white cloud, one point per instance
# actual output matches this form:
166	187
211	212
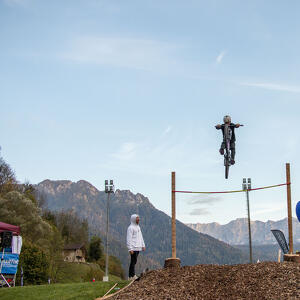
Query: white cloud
203	199
155	159
220	57
127	151
167	130
272	86
269	209
199	212
142	54
158	156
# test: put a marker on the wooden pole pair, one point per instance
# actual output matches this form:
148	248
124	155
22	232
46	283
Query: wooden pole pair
289	208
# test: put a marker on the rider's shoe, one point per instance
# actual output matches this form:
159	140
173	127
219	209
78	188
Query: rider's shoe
232	162
221	151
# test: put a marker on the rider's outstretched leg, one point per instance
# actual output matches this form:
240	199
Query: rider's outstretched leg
232	149
222	148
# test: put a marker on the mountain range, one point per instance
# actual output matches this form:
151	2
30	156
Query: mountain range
236	232
90	203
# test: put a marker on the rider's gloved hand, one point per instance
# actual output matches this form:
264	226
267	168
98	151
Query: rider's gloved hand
237	125
218	126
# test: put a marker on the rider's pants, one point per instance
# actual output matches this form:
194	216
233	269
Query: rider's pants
232	148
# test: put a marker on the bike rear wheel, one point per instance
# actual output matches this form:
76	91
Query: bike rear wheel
226	163
226	170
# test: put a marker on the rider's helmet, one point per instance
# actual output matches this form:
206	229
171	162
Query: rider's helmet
227	119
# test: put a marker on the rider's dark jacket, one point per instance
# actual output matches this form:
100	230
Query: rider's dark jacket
232	127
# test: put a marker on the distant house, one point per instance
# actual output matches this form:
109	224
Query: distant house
74	253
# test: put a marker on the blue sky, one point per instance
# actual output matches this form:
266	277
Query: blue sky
131	90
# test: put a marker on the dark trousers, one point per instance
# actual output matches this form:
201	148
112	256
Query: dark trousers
133	261
232	148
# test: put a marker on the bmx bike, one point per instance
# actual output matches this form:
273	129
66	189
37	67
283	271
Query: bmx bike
227	152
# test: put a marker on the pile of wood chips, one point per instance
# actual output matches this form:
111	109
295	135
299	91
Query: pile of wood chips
267	280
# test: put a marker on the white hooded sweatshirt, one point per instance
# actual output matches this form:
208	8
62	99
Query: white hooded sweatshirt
135	241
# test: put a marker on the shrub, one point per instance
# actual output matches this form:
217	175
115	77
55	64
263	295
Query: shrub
35	264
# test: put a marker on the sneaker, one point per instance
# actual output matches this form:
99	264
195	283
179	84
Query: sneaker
232	161
221	151
134	277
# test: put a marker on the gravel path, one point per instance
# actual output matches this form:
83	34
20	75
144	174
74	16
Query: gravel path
267	280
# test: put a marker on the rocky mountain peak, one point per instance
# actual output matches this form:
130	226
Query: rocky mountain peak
54	186
128	197
87	187
236	232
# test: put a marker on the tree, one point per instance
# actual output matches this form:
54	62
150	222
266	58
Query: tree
8	180
35	264
72	228
55	253
18	210
114	266
95	249
21	204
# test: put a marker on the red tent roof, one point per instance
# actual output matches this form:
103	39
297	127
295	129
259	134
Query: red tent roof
8	227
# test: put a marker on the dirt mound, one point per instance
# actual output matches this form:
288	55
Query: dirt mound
268	280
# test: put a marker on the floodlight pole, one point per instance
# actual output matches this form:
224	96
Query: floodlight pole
246	188
109	188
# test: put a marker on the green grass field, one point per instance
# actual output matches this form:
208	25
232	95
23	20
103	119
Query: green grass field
68	291
78	272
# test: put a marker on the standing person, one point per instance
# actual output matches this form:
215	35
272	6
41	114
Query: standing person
135	243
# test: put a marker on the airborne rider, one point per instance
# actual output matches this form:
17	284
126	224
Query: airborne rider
227	120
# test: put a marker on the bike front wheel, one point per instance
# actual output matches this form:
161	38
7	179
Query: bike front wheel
226	164
226	171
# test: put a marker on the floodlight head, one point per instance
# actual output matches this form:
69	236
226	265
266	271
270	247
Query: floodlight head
112	189
249	180
106	182
244	180
111	182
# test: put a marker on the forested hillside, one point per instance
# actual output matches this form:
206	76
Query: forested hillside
45	234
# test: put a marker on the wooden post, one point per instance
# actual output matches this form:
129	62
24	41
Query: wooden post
173	262
173	216
289	207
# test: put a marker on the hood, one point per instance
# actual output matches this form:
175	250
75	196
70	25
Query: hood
133	219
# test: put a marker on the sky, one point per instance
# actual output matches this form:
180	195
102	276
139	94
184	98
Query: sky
131	91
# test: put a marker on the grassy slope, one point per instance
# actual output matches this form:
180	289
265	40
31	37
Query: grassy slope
78	291
78	272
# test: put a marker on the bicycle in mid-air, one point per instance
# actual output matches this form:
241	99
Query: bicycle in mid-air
227	153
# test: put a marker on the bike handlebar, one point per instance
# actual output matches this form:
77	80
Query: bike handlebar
220	127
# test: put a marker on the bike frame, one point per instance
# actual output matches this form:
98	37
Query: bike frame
227	154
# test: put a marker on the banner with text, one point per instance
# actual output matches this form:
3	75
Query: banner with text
10	263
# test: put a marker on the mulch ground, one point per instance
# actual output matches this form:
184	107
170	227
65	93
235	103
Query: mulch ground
267	280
